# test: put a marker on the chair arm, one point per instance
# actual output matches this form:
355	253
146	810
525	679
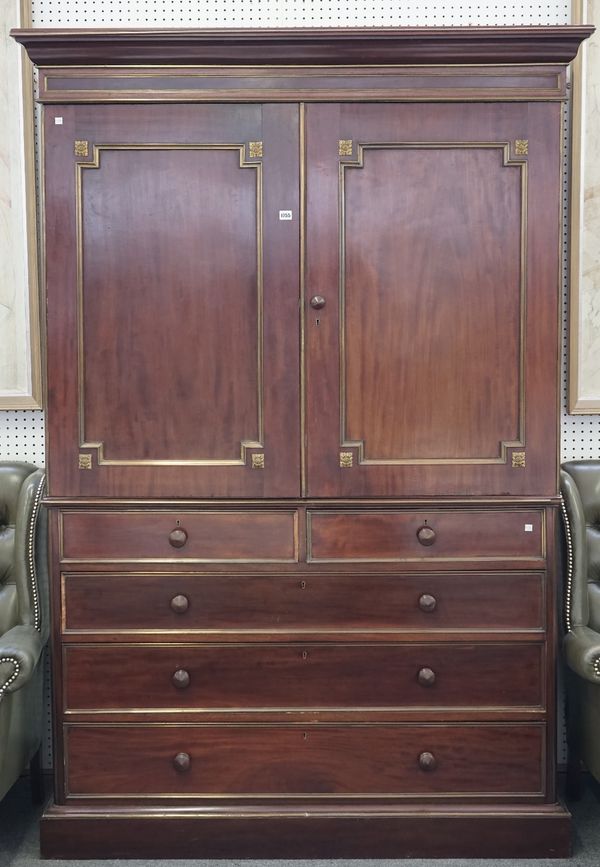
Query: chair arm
576	601
582	651
20	650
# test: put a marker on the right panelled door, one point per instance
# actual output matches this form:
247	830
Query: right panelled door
431	291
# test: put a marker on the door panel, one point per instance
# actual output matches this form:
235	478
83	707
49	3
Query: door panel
451	263
181	376
431	367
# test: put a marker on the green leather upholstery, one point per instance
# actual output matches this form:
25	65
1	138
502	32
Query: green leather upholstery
580	487
23	616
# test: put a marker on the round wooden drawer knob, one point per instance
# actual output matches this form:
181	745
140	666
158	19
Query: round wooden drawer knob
427	603
426	535
181	679
180	604
426	677
178	537
182	762
427	762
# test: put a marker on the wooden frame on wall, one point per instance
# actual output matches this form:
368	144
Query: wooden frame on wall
584	315
20	363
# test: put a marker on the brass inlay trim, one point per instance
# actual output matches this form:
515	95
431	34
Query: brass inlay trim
465	558
182	559
346	459
85	462
55	85
492	69
258	461
95	163
531	710
524	633
345	147
521	147
518	459
538	789
81	148
255	149
358	163
302	300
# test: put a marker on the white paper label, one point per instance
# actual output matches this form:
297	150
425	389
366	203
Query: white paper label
529	528
285	215
58	121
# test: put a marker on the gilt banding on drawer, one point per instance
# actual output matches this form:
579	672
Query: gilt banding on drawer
259	536
436	534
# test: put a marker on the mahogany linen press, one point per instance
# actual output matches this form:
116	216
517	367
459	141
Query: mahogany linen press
303	365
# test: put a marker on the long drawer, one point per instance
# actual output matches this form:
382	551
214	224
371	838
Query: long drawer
436	534
314	761
113	602
245	536
311	676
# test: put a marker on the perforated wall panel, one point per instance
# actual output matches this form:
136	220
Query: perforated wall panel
288	13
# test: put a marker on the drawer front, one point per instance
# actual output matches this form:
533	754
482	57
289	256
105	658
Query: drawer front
385	535
202	537
276	603
293	761
309	676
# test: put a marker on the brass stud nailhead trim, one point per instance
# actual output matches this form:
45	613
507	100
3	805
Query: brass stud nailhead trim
13	676
569	590
37	615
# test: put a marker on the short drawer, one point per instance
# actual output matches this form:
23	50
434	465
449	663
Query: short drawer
167	536
114	602
293	761
302	676
438	534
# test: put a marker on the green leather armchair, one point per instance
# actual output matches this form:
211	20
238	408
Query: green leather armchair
580	488
23	620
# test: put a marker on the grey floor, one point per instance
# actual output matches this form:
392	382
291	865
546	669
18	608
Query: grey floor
19	843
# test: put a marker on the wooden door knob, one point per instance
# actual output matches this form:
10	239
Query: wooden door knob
427	762
426	535
426	677
317	301
181	679
182	762
427	603
178	537
180	604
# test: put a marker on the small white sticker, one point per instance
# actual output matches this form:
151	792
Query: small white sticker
285	215
58	121
529	528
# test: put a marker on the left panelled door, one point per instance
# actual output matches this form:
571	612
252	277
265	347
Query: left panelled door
173	313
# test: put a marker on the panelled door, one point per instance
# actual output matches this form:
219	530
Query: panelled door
173	337
431	298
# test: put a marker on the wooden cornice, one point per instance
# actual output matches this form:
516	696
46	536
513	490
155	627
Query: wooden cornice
331	46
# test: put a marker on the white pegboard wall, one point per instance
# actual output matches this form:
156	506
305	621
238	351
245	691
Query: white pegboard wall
580	434
288	13
22	436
